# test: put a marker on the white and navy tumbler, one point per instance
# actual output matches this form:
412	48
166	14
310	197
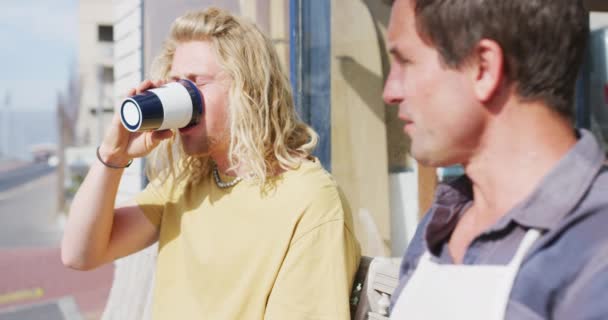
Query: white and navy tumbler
173	106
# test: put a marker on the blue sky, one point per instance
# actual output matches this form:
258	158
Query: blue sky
39	46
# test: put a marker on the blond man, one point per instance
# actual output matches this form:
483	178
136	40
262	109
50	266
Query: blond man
249	224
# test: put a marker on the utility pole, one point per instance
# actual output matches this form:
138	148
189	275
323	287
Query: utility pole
2	134
61	131
7	123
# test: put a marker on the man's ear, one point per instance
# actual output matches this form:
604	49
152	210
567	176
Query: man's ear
487	63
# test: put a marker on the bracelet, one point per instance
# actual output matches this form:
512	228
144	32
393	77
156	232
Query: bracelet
109	165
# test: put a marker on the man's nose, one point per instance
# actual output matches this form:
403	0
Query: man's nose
392	94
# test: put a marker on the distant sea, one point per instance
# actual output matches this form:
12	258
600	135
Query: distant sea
19	130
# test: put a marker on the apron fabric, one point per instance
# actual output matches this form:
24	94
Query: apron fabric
463	292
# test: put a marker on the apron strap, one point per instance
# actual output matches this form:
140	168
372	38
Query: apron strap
526	243
531	236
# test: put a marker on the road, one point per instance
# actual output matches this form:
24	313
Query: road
28	209
34	284
23	174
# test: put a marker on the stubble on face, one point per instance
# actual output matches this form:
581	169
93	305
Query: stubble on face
204	145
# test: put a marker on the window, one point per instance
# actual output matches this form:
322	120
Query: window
105	33
596	115
107	75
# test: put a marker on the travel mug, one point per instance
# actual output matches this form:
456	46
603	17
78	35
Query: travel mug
174	105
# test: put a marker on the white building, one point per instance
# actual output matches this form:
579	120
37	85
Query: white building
96	70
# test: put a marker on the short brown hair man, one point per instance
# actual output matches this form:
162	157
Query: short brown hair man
489	85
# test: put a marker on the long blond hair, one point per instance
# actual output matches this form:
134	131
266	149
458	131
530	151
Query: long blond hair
265	131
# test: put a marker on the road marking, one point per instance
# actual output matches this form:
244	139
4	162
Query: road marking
10	193
60	309
25	294
69	308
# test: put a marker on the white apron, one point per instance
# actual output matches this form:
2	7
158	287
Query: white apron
462	292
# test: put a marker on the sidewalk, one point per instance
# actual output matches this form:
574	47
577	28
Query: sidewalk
33	276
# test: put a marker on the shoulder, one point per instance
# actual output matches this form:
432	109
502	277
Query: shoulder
584	227
578	245
310	173
570	267
584	231
597	195
586	224
312	189
312	183
581	234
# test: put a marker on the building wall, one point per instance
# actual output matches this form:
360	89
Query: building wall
159	15
93	55
369	149
128	73
271	16
359	141
128	46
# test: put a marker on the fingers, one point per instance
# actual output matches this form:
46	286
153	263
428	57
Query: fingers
153	138
162	135
145	85
116	116
149	143
158	83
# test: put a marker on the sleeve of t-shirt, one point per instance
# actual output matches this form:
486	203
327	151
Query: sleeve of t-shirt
315	279
152	201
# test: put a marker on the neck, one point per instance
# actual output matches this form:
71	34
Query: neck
519	147
219	153
223	165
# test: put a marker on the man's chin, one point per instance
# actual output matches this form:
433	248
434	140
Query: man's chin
428	158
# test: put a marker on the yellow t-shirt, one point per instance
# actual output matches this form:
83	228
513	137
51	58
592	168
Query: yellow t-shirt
237	254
